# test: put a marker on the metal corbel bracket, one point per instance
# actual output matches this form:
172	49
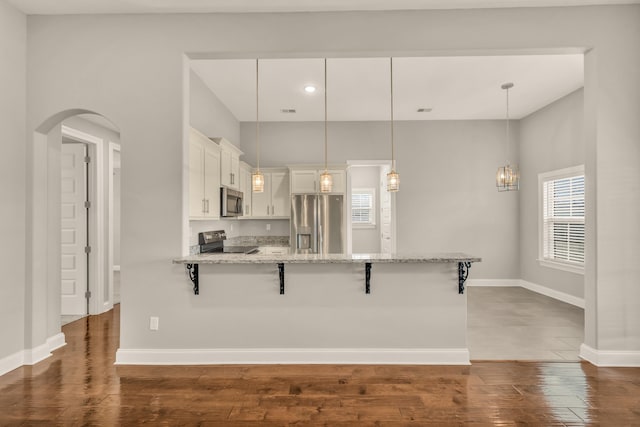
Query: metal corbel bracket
367	278
463	273
192	269
281	272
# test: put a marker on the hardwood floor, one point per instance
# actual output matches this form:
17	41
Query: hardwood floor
80	386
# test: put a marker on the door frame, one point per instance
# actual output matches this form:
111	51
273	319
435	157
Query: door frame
382	164
113	148
95	183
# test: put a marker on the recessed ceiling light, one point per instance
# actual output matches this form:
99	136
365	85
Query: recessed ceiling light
310	88
424	110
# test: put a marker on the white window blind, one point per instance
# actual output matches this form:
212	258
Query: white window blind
563	218
362	207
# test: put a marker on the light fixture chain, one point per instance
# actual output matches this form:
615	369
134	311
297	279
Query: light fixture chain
325	114
393	166
507	138
257	120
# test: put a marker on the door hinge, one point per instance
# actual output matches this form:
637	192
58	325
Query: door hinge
87	159
87	294
87	204
87	249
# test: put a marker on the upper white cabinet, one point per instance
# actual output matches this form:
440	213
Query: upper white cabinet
275	200
204	177
229	163
245	187
307	180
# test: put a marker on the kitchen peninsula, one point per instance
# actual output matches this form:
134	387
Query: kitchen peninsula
354	308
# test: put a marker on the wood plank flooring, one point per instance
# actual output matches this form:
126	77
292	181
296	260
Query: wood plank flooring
80	386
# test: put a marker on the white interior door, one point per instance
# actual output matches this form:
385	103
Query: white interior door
74	230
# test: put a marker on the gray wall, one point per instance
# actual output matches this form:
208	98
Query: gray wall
210	116
13	42
550	139
145	99
367	240
448	199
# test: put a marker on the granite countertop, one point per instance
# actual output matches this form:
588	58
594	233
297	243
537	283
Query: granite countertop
248	241
325	259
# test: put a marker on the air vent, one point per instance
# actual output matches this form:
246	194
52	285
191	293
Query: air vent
424	110
288	111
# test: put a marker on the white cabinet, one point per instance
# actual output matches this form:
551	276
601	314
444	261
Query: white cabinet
204	177
229	163
246	188
305	181
275	200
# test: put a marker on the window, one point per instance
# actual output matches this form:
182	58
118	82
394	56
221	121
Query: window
562	219
362	207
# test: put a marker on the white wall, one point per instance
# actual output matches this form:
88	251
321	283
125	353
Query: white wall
145	99
448	199
367	240
550	139
210	116
13	42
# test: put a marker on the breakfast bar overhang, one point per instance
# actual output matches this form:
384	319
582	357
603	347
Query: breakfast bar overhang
319	311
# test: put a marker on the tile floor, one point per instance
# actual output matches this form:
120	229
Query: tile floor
513	323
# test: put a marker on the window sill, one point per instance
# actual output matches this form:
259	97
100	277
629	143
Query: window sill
561	266
363	226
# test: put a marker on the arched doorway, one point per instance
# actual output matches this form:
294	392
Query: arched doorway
45	236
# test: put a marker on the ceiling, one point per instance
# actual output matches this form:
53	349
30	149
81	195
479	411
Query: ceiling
47	7
358	89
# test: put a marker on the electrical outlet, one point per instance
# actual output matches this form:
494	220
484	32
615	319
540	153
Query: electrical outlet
153	323
268	227
231	227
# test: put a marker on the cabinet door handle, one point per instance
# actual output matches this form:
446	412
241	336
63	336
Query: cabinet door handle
207	211
204	209
267	209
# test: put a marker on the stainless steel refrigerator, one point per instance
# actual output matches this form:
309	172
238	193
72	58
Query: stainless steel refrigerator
317	224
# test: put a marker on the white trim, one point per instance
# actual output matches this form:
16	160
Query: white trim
543	177
32	356
11	362
493	282
375	356
578	269
56	341
609	357
113	147
552	293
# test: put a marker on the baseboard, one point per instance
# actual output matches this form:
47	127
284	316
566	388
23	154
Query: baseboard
552	293
33	355
493	282
11	362
56	341
610	358
293	356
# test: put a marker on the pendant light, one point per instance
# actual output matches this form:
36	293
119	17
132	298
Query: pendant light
508	176
326	180
257	179
393	178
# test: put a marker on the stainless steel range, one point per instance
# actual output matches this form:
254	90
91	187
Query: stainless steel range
214	242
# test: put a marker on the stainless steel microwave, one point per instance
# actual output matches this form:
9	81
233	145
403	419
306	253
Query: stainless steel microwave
230	202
